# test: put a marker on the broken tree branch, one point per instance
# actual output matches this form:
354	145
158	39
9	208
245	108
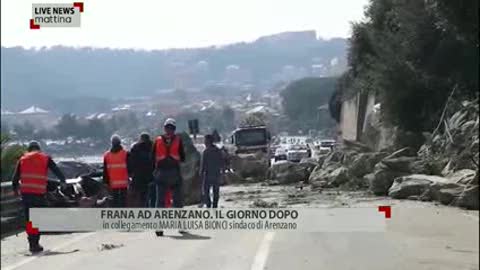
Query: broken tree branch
447	130
444	111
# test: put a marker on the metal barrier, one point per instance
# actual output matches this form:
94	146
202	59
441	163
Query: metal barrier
11	209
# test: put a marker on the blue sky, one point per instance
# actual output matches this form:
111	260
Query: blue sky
159	24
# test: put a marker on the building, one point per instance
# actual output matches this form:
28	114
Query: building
38	117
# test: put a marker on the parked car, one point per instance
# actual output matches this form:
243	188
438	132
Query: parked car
295	153
280	154
326	146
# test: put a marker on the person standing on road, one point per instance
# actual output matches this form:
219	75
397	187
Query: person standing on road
168	153
140	165
309	151
32	176
115	171
212	169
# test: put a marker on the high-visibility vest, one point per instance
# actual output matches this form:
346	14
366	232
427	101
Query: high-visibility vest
117	169
162	151
34	173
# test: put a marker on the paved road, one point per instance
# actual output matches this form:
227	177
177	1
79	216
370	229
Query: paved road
435	238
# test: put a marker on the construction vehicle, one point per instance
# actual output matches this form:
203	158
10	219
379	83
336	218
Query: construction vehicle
251	139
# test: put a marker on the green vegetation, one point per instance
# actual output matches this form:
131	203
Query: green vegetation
302	101
412	54
10	155
254	119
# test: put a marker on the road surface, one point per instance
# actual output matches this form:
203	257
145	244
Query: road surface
440	238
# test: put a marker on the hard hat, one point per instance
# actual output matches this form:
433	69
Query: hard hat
170	121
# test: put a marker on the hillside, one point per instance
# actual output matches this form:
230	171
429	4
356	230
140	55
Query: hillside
51	76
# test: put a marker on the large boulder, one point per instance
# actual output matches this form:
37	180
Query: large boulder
333	158
382	179
364	163
469	198
406	164
464	176
250	165
320	174
390	168
288	172
338	177
329	177
446	193
308	164
414	185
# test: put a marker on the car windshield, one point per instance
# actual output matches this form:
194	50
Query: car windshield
251	137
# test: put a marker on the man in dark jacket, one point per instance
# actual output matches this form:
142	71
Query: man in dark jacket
212	169
31	176
140	165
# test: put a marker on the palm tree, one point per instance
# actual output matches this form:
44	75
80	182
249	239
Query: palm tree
9	157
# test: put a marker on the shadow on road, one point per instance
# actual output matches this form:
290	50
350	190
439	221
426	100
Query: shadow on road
189	236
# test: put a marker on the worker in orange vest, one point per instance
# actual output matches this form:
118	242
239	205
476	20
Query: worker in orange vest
115	171
168	153
31	175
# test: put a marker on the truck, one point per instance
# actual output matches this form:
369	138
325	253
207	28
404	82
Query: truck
251	139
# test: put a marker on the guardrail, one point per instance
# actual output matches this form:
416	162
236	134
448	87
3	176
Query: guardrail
11	209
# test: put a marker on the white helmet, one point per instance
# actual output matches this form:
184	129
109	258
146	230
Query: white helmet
170	121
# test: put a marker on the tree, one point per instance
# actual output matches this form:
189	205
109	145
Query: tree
9	157
301	100
411	54
254	119
69	126
24	130
97	129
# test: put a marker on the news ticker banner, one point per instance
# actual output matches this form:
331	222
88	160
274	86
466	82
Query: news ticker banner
223	219
56	15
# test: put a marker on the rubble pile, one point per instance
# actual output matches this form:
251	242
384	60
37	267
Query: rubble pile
250	166
457	146
445	169
290	172
346	167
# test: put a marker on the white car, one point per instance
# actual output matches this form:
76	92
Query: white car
295	153
326	146
280	154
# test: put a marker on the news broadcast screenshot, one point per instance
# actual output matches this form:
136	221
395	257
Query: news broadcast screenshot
239	135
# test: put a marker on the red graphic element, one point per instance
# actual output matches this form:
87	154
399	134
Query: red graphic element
30	229
386	209
33	25
79	5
